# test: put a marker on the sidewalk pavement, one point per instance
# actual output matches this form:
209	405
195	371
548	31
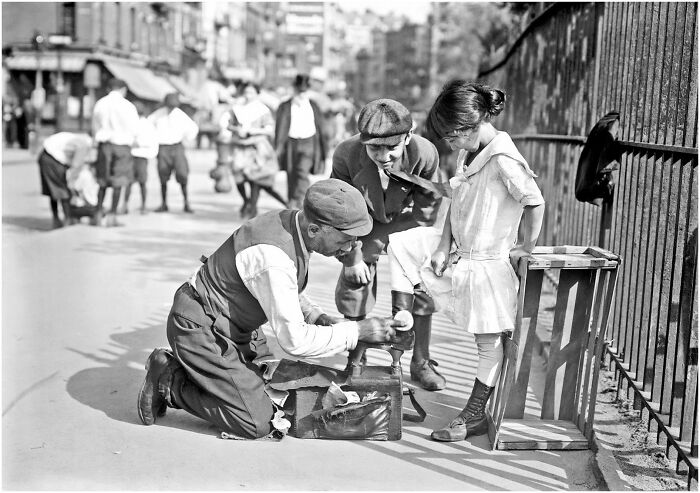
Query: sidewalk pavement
83	307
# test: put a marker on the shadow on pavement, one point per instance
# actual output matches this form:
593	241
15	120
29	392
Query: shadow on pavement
31	222
113	388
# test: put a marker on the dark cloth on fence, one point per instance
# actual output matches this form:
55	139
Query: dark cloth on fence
599	158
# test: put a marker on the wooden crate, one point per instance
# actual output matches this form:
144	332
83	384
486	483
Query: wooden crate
587	277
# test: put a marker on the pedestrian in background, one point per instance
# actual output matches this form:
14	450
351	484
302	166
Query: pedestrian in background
61	151
299	140
253	158
114	124
145	149
495	218
173	126
368	161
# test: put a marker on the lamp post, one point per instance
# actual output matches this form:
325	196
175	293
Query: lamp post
38	96
59	41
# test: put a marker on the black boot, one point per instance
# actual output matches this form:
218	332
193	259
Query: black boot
471	421
153	396
423	369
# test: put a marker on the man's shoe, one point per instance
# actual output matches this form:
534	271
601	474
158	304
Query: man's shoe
425	373
162	208
96	219
151	403
187	209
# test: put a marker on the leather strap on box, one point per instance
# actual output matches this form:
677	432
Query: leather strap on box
414	418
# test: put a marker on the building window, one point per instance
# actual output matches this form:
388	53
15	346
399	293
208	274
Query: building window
132	28
118	7
103	14
68	19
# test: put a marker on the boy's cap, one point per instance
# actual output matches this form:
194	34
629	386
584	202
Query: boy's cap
384	122
336	203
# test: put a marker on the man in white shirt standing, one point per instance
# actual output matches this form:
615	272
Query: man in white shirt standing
173	126
299	140
144	150
114	124
215	370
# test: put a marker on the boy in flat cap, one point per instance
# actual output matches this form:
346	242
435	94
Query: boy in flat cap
371	162
216	366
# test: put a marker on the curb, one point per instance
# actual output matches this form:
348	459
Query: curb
607	467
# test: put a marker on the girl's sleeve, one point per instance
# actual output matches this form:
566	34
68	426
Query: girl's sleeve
519	180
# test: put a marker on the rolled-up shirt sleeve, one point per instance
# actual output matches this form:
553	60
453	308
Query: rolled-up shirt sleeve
309	309
271	277
519	180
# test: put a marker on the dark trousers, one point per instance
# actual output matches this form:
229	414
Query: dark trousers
299	155
114	166
221	383
171	158
356	300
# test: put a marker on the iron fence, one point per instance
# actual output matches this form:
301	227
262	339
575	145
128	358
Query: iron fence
572	65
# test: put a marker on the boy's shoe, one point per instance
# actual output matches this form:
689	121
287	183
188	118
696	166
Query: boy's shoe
425	373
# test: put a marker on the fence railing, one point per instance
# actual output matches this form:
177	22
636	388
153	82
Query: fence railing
572	65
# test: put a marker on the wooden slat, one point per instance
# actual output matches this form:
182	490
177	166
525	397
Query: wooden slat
583	391
571	318
540	435
569	262
524	339
503	390
599	349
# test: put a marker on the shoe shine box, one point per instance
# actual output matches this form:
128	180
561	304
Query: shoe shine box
379	420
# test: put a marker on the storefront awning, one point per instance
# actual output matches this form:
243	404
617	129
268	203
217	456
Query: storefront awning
140	80
70	62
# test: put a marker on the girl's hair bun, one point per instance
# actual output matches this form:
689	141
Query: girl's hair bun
496	100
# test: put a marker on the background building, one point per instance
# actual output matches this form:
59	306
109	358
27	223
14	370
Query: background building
59	55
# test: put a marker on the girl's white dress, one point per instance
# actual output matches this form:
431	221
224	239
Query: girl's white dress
478	291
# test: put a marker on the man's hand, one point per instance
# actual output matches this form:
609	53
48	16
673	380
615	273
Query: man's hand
378	329
440	260
515	255
358	273
325	319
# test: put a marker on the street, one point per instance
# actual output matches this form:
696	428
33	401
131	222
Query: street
82	308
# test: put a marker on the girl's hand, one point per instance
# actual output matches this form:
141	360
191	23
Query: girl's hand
515	255
440	260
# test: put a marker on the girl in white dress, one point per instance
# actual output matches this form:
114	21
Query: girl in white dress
495	217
